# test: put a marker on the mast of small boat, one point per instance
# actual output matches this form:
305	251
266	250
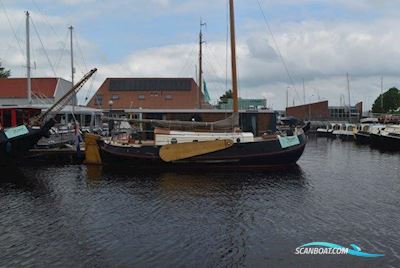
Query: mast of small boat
28	60
71	29
201	42
233	61
348	91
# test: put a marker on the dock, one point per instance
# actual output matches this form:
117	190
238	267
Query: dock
67	155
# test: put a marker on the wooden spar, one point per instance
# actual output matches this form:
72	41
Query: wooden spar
221	124
233	58
180	151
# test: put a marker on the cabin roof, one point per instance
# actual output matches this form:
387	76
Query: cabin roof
17	87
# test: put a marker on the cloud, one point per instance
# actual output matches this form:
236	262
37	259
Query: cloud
317	50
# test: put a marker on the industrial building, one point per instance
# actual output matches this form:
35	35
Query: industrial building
322	111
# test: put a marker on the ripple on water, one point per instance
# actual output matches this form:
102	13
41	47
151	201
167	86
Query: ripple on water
79	216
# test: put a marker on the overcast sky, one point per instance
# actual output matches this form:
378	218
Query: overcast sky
320	41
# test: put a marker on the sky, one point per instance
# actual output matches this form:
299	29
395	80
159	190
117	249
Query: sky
315	41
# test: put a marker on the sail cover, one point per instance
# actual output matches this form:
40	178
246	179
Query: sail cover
228	123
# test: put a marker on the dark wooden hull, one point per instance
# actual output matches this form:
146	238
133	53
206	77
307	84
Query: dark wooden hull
327	134
261	154
345	137
16	148
323	134
362	137
390	143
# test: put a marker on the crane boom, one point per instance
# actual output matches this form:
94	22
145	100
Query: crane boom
63	101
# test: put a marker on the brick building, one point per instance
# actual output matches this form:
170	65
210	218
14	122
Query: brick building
312	111
322	111
148	93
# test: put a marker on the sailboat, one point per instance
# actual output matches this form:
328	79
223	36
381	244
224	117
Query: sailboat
207	149
15	142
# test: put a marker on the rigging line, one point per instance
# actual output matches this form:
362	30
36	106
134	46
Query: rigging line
11	26
212	54
89	92
45	18
188	58
277	48
81	53
44	49
62	53
9	46
211	67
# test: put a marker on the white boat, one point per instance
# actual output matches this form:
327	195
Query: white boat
363	132
325	131
387	138
345	132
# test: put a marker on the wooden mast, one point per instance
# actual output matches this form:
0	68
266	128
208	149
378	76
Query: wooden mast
233	58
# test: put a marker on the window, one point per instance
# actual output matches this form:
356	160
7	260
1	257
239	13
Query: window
168	97
7	118
141	97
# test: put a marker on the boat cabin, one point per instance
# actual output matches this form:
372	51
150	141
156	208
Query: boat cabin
12	116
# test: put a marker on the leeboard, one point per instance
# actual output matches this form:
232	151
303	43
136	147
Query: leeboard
180	151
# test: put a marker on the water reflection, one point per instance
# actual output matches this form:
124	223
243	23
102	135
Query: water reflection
104	216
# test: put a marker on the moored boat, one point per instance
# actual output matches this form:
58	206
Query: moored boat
363	133
345	133
387	138
230	148
325	131
16	141
262	152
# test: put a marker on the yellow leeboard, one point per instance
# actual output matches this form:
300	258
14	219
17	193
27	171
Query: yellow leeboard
180	151
92	152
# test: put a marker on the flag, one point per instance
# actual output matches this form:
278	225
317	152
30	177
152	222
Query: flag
206	95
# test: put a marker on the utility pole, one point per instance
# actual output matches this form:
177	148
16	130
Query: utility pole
304	92
201	42
71	29
28	60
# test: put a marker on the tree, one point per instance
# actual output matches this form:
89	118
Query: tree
4	73
224	98
391	101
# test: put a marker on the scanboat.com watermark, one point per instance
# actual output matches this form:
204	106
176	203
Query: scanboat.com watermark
325	248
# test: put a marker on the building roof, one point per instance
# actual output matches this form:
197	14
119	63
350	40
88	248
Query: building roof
309	104
150	84
17	87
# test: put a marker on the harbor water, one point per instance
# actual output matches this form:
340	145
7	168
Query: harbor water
78	216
